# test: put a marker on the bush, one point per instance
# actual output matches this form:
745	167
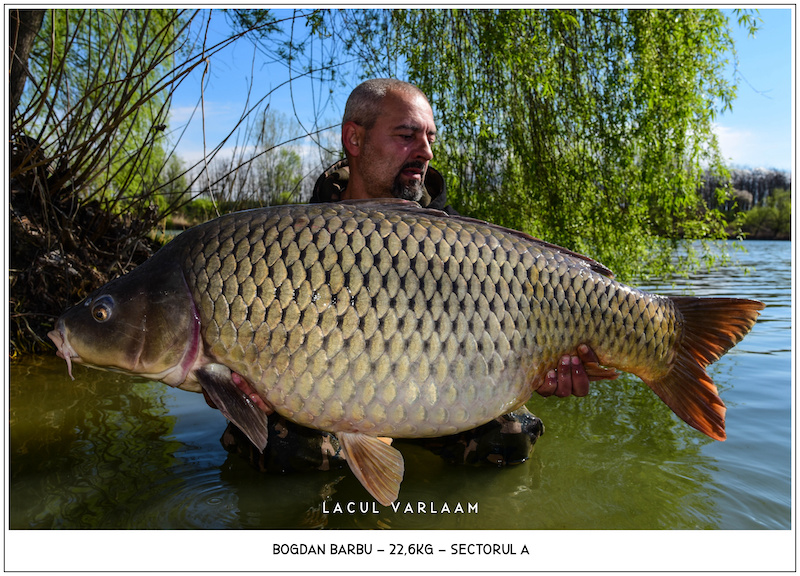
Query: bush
773	220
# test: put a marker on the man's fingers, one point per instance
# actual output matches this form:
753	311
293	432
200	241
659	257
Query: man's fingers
550	384
592	367
564	388
580	381
574	374
587	355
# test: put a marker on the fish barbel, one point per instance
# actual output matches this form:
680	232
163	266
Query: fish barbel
382	319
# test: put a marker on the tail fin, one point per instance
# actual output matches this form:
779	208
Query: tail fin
711	327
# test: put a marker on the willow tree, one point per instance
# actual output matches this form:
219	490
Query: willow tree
588	128
91	168
96	103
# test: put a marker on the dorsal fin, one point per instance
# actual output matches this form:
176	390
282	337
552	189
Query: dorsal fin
414	207
593	264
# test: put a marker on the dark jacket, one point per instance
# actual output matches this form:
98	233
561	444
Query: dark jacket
333	181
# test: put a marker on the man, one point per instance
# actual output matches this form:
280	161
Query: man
388	132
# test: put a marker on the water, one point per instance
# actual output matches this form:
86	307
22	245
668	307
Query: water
112	451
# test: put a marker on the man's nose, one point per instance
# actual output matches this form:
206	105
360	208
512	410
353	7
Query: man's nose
424	151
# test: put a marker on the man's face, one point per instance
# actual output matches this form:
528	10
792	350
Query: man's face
397	149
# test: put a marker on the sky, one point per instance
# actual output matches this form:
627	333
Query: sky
757	132
235	80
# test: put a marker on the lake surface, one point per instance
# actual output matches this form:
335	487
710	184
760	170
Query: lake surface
116	452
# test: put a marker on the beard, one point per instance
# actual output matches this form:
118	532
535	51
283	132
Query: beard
411	190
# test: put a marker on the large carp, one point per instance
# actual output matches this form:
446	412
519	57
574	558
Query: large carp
383	319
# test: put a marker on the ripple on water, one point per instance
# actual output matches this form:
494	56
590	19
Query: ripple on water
197	500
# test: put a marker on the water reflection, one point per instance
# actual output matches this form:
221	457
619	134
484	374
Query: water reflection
86	454
112	451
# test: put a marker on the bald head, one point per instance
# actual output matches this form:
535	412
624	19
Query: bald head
364	104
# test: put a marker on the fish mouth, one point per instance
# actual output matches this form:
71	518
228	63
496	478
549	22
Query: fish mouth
63	348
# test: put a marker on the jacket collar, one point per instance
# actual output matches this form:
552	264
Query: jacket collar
333	181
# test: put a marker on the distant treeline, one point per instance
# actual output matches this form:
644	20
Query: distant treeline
759	205
750	187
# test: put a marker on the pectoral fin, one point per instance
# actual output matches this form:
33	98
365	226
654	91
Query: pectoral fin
217	382
378	466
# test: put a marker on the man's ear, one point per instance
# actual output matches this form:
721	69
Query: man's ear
352	138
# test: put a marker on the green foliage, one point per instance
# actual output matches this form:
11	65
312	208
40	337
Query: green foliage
587	128
774	219
97	102
173	183
260	22
278	168
198	210
268	171
173	190
747	19
755	203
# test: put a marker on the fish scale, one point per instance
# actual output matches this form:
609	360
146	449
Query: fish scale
388	272
378	298
380	319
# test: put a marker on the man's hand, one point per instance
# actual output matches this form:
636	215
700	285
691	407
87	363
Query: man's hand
574	374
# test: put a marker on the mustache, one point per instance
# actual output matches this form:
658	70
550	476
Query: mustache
414	164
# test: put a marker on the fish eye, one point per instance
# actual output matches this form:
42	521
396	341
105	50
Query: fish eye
101	310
